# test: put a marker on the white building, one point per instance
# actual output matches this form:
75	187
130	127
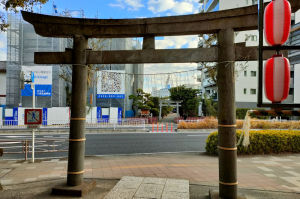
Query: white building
247	72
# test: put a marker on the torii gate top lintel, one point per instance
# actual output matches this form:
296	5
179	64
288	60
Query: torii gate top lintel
238	19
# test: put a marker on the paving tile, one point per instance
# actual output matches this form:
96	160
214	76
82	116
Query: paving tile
176	182
16	165
181	188
128	184
59	168
30	179
175	195
293	173
265	169
150	180
121	194
270	175
149	191
6	181
132	178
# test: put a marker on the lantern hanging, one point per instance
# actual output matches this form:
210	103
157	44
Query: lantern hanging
277	22
277	78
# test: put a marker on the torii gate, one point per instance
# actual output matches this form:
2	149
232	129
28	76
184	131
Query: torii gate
224	23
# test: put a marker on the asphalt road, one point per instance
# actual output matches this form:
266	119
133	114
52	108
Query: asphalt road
110	143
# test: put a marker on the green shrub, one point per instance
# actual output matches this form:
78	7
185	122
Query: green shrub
261	142
241	113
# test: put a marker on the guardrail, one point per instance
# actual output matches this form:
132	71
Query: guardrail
97	123
24	146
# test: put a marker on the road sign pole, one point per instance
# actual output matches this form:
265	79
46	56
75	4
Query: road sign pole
33	133
33	145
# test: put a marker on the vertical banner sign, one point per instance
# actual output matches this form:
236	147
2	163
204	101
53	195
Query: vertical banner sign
99	115
1	116
42	80
111	84
120	115
45	116
15	115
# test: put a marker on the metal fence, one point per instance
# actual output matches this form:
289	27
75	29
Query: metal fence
98	123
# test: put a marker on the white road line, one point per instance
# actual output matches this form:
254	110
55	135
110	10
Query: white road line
198	135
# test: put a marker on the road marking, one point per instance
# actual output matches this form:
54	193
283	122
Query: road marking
198	135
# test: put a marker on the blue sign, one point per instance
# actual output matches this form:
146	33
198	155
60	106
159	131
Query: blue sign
120	115
12	120
111	96
45	116
32	76
99	114
40	90
105	118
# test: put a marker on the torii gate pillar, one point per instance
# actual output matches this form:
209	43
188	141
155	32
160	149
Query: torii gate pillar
78	112
227	115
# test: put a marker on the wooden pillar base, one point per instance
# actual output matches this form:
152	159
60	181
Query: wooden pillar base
75	191
214	194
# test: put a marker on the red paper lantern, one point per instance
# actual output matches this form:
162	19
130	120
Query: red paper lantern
277	22
277	78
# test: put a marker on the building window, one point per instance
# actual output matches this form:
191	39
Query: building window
245	73
252	91
291	91
292	74
253	73
245	91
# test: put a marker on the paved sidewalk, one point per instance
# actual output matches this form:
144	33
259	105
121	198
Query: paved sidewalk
265	172
148	188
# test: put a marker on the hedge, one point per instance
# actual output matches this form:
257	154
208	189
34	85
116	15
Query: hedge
212	123
261	142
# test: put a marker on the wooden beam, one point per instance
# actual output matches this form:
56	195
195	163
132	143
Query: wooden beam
189	55
245	18
132	56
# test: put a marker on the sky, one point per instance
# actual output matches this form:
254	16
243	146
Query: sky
119	9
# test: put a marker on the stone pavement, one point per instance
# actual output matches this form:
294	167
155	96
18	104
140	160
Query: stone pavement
148	188
263	172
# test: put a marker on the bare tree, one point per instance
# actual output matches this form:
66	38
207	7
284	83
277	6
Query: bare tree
15	6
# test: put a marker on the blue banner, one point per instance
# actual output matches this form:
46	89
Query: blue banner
120	115
111	96
45	116
40	90
99	114
105	118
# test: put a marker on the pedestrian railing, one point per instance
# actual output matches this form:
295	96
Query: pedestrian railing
95	123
